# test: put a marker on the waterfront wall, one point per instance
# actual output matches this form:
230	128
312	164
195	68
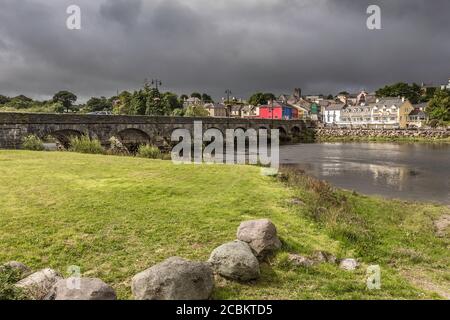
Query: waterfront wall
334	133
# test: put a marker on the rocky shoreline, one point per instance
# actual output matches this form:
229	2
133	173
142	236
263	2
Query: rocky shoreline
323	134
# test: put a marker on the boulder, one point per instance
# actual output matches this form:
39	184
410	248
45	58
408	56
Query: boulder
81	289
348	264
261	236
323	256
236	261
18	266
174	279
301	261
38	285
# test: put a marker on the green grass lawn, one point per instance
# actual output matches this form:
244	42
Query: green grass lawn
116	216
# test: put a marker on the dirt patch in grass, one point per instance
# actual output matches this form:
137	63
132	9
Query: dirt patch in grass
442	225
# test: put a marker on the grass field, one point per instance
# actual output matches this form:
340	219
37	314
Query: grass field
116	216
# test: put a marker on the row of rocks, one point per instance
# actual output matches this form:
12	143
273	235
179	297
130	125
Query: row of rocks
177	278
48	284
322	257
381	133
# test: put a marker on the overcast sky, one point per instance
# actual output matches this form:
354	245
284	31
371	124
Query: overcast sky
322	46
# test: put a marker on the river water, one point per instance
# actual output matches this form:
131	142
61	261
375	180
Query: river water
418	172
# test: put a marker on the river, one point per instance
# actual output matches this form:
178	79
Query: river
419	172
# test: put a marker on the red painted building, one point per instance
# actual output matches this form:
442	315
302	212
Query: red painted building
279	111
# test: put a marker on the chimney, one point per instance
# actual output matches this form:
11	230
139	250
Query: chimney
403	99
377	100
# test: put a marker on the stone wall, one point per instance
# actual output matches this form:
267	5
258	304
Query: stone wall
327	133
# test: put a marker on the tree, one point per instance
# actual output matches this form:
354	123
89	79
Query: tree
4	99
196	111
98	104
269	96
23	98
196	95
412	92
257	99
439	106
19	103
137	103
260	98
207	98
344	93
178	113
66	98
330	97
123	106
184	97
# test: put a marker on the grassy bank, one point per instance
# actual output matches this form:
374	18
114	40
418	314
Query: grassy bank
116	216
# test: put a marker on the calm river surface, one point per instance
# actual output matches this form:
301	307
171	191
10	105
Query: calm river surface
406	171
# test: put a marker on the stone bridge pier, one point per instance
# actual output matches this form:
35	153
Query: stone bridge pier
130	130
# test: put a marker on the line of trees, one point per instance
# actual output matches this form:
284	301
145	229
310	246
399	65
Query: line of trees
145	101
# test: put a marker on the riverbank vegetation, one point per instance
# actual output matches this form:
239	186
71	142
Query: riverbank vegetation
116	216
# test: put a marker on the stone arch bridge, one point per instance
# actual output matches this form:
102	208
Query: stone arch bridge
128	129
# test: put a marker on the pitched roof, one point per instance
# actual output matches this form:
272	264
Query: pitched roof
417	112
336	106
390	102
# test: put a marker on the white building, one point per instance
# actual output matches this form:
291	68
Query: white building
385	113
446	86
332	113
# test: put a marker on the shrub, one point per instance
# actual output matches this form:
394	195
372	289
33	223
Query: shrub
33	142
8	290
149	151
117	148
84	144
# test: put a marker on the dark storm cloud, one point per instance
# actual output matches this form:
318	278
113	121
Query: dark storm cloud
245	45
122	11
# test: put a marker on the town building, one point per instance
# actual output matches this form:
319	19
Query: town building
217	110
296	101
332	113
250	111
417	118
446	86
235	111
384	113
278	110
192	101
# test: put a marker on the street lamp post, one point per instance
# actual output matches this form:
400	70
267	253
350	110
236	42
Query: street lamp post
157	83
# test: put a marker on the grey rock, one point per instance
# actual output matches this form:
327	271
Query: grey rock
323	256
38	285
348	264
174	279
236	261
81	289
301	261
261	236
14	265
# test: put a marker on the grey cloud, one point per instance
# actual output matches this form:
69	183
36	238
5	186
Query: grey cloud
125	12
319	45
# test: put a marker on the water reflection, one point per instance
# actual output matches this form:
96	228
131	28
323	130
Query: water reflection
408	171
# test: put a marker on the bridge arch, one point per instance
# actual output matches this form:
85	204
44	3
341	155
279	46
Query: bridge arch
283	133
296	131
132	138
64	136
